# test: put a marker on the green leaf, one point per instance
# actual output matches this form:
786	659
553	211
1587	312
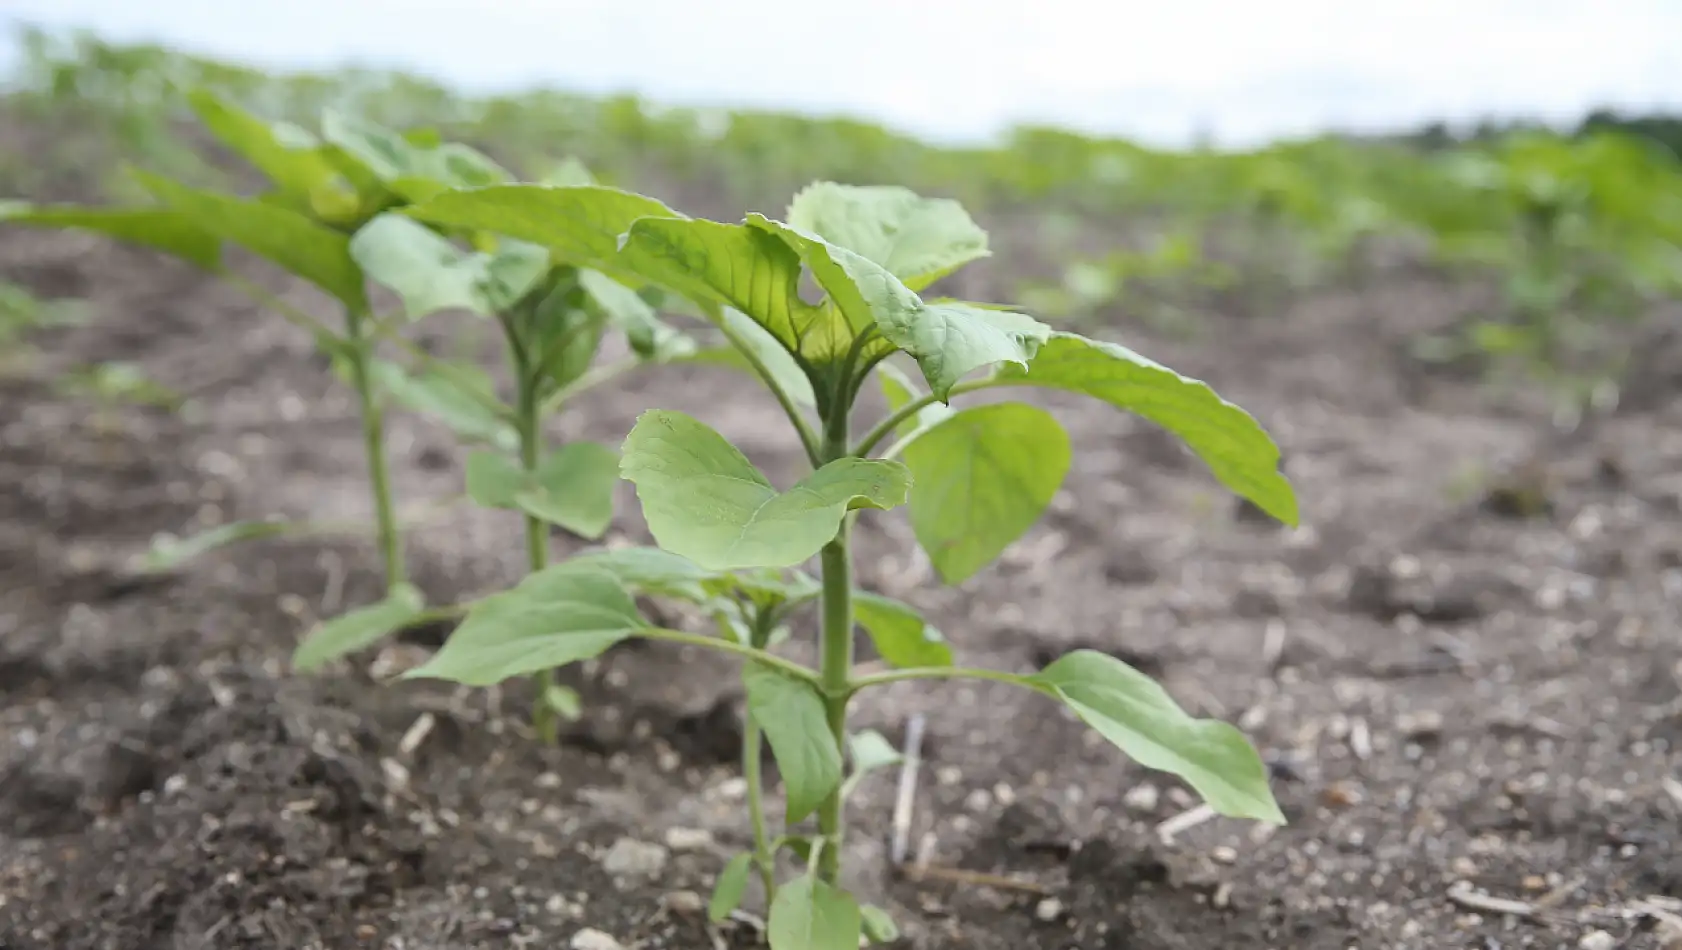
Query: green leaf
288	155
792	714
704	500
445	397
624	308
1228	439
357	629
785	373
980	478
756	268
869	750
291	240
899	632
494	479
574	489
811	915
650	570
431	274
728	890
569	171
917	239
878	926
572	486
414	167
169	554
563	702
556	616
1135	713
157	228
739	267
951	339
565	332
579	224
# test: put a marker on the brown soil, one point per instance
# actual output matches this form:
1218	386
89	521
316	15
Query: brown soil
1447	692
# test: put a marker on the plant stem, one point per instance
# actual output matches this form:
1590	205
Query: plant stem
752	761
722	645
835	673
593	377
938	673
528	421
373	438
893	420
752	768
808	440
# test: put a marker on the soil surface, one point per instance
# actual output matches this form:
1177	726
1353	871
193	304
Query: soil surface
1455	690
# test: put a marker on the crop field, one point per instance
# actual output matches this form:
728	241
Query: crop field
544	521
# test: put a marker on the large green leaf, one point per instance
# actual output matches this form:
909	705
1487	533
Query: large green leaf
792	714
287	238
809	914
740	267
431	274
917	239
899	632
980	478
157	228
579	224
572	486
556	616
649	570
290	156
359	628
756	267
445	397
1135	713
417	167
950	339
703	499
1228	439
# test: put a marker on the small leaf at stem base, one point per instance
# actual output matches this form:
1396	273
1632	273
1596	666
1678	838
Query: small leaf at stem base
793	717
732	884
359	628
1138	716
556	616
809	914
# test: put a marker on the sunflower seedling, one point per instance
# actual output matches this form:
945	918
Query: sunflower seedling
974	480
553	314
322	191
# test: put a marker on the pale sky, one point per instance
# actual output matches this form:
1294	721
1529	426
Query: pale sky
961	69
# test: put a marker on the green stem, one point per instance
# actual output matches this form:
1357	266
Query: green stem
373	439
937	673
528	423
722	645
835	673
764	855
808	439
894	419
590	379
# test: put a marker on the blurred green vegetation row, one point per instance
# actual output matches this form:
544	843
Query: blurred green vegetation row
1579	227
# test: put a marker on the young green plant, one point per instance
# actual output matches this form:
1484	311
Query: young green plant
553	315
974	479
322	191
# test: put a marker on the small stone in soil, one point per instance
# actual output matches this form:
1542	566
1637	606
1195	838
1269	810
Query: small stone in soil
1142	798
1597	940
688	839
591	939
684	902
632	858
1049	909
